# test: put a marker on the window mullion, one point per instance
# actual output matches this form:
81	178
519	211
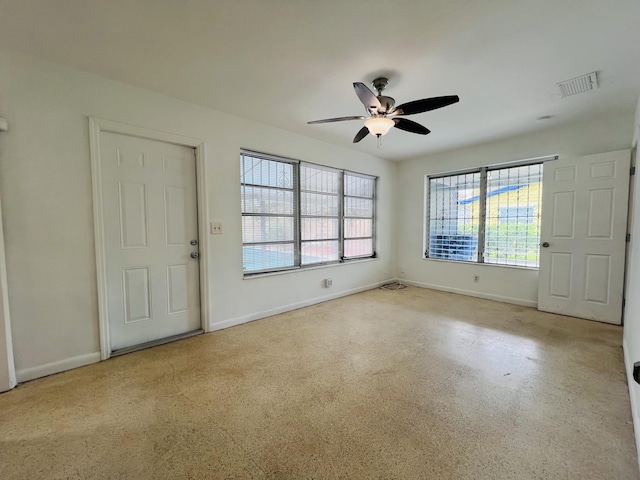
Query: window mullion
427	214
297	222
482	213
341	200
373	217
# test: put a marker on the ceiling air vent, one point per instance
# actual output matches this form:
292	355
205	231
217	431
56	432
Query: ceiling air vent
577	85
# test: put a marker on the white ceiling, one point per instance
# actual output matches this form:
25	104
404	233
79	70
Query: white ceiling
285	62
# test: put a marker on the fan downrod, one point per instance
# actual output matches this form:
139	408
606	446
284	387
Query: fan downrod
380	84
386	103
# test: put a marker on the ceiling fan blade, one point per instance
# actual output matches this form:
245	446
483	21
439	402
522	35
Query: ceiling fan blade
424	105
410	126
367	97
364	131
338	119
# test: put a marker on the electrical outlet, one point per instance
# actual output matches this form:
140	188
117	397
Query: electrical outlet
216	228
328	282
476	278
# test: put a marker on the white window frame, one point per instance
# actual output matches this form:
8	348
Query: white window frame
339	214
345	217
297	215
482	206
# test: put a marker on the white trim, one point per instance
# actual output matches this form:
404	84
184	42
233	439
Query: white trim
350	261
98	230
232	322
57	367
633	399
471	293
483	264
203	234
426	227
269	156
97	126
496	166
141	132
636	126
5	318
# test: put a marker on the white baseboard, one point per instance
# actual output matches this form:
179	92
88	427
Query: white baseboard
628	364
232	322
57	367
471	293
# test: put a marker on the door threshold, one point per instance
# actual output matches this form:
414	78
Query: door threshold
155	343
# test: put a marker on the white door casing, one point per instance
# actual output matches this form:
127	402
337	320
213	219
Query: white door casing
584	219
147	211
8	378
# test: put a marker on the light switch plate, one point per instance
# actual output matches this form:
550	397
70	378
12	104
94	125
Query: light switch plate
216	228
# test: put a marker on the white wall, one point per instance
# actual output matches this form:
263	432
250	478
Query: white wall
631	341
45	188
45	183
500	283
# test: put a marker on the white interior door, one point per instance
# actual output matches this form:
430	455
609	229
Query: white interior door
584	219
150	232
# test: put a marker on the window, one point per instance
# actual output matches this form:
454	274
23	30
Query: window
358	215
454	217
319	214
297	214
269	205
490	215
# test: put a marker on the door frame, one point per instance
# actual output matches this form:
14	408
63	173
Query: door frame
98	126
8	378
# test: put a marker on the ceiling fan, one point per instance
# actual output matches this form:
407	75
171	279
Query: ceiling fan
382	114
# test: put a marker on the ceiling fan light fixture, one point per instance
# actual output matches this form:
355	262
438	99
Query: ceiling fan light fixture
379	125
379	106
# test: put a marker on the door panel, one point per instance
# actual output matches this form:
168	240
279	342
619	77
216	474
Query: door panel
561	271
136	294
600	215
598	271
584	224
150	218
177	286
563	214
175	221
565	174
134	226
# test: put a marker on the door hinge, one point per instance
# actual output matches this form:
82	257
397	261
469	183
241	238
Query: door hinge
633	171
628	237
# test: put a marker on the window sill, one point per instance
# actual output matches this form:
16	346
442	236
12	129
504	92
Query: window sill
462	262
313	267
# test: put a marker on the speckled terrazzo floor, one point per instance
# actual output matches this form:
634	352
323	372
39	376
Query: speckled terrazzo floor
405	384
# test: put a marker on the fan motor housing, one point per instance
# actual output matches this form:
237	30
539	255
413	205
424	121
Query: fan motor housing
387	104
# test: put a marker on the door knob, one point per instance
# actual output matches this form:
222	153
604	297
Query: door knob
195	254
545	244
194	242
